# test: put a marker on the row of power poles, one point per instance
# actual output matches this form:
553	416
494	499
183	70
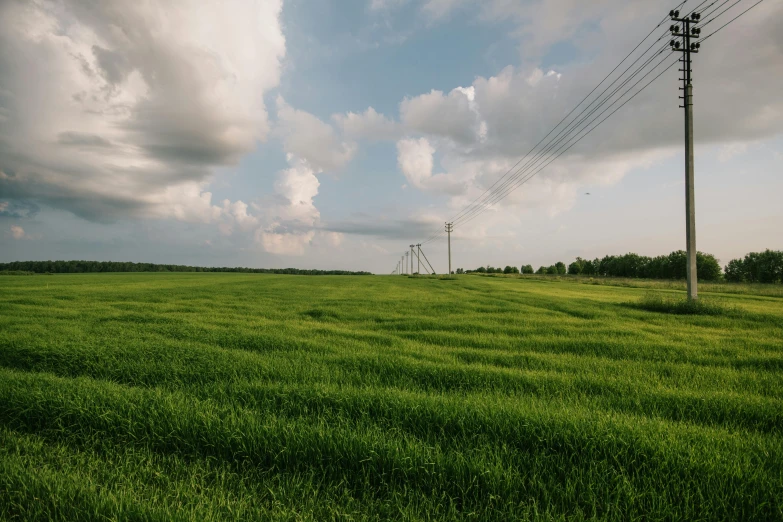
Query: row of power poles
405	264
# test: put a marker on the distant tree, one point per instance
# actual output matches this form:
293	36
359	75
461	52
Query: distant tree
588	268
541	270
760	267
678	262
657	268
597	266
75	267
527	269
707	267
481	270
511	270
460	271
561	268
735	271
577	266
552	270
605	266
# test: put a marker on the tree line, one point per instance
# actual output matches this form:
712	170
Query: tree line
80	267
756	267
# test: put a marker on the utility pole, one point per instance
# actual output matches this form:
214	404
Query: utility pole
412	254
418	258
406	261
687	48
449	228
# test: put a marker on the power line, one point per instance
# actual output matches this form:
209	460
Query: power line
569	129
572	110
732	20
571	132
707	12
473	208
492	188
568	136
526	179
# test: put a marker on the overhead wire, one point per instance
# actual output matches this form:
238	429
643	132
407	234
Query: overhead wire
474	208
577	138
469	208
730	21
568	132
542	166
711	14
505	185
570	112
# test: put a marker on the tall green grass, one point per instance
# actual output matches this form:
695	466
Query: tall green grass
721	287
226	396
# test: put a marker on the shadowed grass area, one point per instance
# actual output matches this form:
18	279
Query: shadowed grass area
667	304
720	287
237	396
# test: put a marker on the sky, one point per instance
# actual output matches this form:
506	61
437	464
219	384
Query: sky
333	134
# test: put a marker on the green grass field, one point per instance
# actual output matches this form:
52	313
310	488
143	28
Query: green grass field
237	397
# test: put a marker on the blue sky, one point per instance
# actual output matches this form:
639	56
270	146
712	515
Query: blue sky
332	134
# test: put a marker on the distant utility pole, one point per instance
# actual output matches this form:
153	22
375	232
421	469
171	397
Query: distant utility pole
418	258
406	261
449	228
687	48
412	254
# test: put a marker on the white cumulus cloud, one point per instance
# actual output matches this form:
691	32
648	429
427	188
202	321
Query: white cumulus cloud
309	138
369	125
114	109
